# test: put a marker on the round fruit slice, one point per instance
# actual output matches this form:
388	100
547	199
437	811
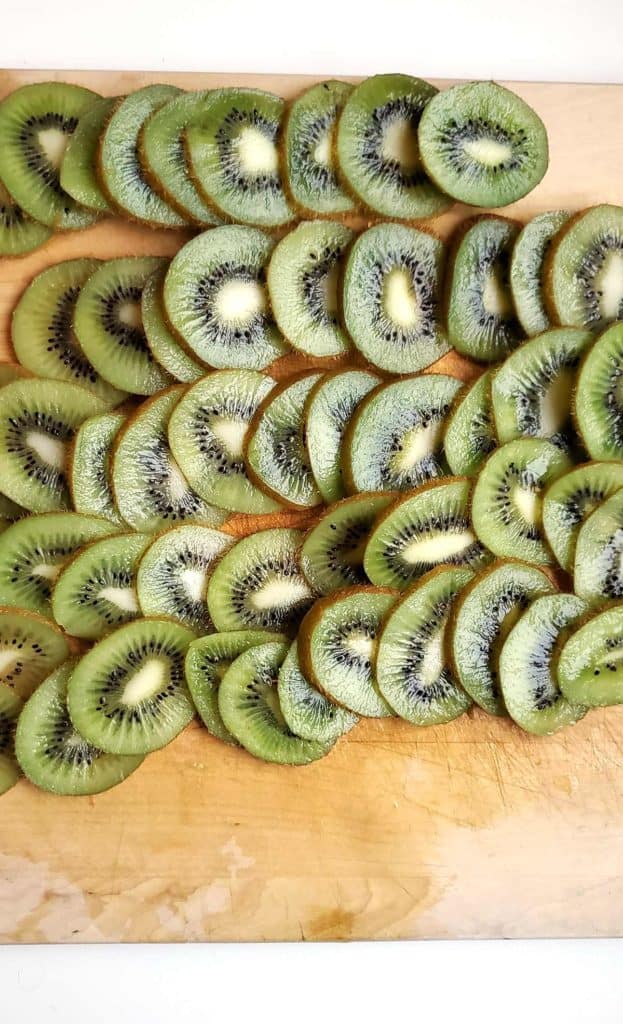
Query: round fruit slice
571	499
470	431
249	705
207	432
483	145
89	466
30	648
53	755
19	234
507	498
527	669
163	346
482	617
598	401
527	269
589	668
421	531
598	564
78	171
377	148
215	298
391	297
307	712
10	708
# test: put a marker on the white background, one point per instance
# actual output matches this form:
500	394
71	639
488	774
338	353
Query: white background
507	982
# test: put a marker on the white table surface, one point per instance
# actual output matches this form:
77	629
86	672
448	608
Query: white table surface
513	982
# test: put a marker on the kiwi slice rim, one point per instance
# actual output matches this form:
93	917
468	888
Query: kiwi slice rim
20	678
308	713
89	466
164	346
78	175
527	269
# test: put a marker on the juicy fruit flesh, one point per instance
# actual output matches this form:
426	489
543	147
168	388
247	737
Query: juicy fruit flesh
144	684
488	151
256	152
400	299
399	144
53	143
439	547
609	286
240	302
49	449
279	593
495	294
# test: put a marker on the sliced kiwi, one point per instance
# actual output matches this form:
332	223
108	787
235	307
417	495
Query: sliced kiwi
482	323
482	617
470	430
36	122
10	708
216	300
527	269
233	156
584	269
248	701
531	392
394	440
332	555
421	531
482	144
89	466
302	282
38	419
109	328
337	643
598	563
329	407
392	295
307	712
78	171
259	583
96	591
378	152
149	489
173	575
42	328
207	431
53	755
275	451
507	498
19	233
163	345
34	550
527	666
589	666
309	152
30	648
598	399
119	168
571	499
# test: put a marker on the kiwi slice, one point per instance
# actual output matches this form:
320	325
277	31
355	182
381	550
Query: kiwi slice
332	555
482	617
481	319
337	644
19	233
378	152
96	592
120	172
507	499
207	661
528	267
37	422
470	430
42	328
248	701
109	327
571	499
394	440
149	489
275	450
531	392
391	297
598	566
34	550
309	152
527	667
207	431
421	531
36	122
10	708
589	668
164	347
259	583
89	466
598	399
303	287
482	144
233	156
307	712
30	648
53	755
329	407
78	170
173	575
584	269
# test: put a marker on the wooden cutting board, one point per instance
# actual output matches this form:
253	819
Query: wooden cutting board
470	829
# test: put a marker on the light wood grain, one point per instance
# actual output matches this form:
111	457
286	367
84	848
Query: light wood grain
472	829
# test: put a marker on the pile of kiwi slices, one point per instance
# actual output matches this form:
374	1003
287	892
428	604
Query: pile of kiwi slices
245	484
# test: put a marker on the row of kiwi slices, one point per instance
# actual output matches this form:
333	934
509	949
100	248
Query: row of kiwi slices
392	146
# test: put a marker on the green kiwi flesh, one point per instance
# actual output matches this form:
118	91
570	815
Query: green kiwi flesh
89	466
470	430
589	668
527	269
584	269
10	708
78	171
163	345
30	648
332	554
598	399
571	499
307	712
597	568
19	233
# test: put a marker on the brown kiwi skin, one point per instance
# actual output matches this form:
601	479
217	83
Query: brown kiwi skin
310	621
548	292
